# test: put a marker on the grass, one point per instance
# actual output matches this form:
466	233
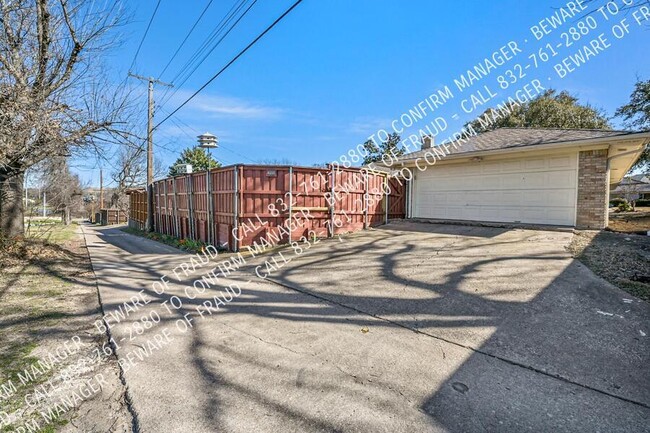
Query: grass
52	231
53	427
33	288
621	259
182	244
13	360
636	288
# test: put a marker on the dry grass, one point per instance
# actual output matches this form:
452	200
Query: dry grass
621	259
630	222
47	296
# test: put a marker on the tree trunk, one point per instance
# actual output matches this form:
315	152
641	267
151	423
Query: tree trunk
12	223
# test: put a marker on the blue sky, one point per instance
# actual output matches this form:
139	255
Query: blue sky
335	71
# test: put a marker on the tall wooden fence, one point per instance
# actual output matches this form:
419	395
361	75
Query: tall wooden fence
255	204
137	208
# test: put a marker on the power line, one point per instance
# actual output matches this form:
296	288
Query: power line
194	59
186	37
234	59
203	59
235	8
177	121
145	35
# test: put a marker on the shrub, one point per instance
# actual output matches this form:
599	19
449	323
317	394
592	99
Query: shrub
616	201
643	202
624	207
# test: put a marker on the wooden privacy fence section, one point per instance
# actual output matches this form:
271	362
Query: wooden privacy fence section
137	208
251	204
111	216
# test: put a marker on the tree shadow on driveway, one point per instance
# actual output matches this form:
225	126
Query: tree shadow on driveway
413	330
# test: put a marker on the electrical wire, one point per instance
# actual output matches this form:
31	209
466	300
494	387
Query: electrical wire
185	39
190	67
234	59
153	15
234	10
177	121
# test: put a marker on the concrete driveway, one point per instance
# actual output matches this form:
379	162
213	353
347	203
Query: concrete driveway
411	327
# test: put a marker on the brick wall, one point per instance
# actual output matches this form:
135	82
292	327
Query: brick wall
593	190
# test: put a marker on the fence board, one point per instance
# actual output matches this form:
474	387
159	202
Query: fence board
251	203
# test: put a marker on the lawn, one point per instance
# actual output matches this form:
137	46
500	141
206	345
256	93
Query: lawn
50	230
47	297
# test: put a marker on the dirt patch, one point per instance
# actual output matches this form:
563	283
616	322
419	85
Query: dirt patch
621	259
57	372
630	222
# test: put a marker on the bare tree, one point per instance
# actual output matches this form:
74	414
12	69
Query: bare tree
53	99
64	189
630	190
131	172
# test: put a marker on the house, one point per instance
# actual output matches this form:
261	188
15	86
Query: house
633	188
522	175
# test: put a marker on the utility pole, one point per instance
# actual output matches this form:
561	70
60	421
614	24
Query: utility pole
150	113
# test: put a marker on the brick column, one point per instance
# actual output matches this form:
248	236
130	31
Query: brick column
593	190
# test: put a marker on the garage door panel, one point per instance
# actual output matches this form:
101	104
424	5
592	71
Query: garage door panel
545	198
488	168
489	214
536	164
559	214
534	180
540	190
562	162
511	166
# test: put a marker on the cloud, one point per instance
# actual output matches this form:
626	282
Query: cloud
367	125
228	106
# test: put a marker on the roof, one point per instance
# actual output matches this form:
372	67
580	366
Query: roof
636	178
507	138
632	189
638	183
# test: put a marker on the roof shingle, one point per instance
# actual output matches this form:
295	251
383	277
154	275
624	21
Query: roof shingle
506	138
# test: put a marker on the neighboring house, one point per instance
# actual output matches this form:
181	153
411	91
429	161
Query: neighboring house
633	188
523	175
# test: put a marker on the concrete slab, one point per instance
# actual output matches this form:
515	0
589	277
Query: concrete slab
409	328
514	294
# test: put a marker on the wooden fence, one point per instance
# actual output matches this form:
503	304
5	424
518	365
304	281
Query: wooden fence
254	204
111	216
137	208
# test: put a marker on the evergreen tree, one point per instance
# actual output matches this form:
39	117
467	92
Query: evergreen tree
197	157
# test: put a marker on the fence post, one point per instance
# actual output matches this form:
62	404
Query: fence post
155	213
290	200
235	211
333	201
208	204
387	194
366	204
167	230
175	209
191	207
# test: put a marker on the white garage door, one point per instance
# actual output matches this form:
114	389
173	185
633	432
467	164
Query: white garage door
540	190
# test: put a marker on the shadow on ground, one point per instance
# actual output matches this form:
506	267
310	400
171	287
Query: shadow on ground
414	327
